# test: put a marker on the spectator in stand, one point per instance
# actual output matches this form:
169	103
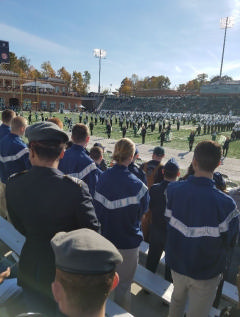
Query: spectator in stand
133	168
120	201
76	161
96	154
202	226
85	272
103	164
14	154
42	202
154	168
157	205
57	121
7	116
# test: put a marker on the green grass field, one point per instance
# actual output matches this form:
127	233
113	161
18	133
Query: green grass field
178	141
179	138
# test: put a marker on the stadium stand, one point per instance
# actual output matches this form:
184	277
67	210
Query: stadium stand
194	104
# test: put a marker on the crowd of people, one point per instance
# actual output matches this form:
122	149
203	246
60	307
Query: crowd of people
84	222
179	103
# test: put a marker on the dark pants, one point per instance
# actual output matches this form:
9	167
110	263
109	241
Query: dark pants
156	248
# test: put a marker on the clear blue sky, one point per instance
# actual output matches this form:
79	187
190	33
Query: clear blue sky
176	38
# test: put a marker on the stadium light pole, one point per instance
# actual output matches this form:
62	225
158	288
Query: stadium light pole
100	54
225	23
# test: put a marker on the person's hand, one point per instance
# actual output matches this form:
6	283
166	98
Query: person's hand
4	274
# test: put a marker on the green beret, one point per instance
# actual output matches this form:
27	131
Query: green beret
84	251
43	131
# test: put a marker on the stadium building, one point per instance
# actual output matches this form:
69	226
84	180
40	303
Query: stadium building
51	94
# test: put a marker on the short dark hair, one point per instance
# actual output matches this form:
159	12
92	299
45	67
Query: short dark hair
80	132
7	116
85	293
170	174
208	155
48	150
95	153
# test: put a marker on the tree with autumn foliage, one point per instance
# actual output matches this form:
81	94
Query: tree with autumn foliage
47	70
195	84
126	87
64	75
129	85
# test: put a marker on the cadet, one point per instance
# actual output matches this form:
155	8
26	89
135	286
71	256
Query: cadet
133	168
42	202
7	116
120	201
85	272
76	161
203	226
157	205
13	151
154	167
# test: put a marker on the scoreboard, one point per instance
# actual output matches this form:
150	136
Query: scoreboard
4	52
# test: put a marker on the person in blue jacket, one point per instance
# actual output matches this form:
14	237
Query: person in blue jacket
76	161
120	201
157	205
14	153
202	226
7	116
133	168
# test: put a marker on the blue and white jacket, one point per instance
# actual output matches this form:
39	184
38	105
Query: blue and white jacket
14	156
77	163
203	225
120	201
4	130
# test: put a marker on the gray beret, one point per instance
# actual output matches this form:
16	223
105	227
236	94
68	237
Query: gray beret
84	251
171	165
43	131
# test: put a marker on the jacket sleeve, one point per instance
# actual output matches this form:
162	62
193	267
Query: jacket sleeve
91	180
14	217
144	202
229	226
86	215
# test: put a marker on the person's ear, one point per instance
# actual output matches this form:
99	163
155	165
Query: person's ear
115	281
56	290
61	155
87	139
31	154
178	174
194	163
59	295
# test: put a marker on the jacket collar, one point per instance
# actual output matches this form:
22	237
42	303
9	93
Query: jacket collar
201	181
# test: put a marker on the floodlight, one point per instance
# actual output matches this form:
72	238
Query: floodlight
100	54
225	23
